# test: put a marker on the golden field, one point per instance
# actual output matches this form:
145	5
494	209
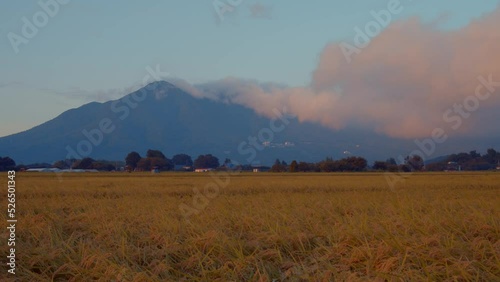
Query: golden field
256	227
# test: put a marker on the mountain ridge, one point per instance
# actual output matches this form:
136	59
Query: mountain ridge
164	117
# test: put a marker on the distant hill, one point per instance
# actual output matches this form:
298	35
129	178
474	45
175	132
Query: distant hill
173	121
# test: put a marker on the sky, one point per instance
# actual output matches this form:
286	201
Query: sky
95	50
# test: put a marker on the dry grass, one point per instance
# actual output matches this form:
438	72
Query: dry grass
287	227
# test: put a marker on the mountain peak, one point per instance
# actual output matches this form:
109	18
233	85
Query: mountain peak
158	90
160	84
163	116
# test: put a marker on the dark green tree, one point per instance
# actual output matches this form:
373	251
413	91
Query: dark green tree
85	163
132	159
7	164
155	154
492	156
103	166
474	154
391	161
278	166
182	159
160	163
378	165
62	164
404	168
328	165
206	161
144	164
415	162
303	166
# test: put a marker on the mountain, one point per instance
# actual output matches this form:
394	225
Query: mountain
164	117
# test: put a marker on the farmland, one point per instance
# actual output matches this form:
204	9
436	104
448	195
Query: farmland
256	227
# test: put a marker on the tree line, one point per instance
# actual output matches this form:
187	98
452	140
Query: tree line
327	165
468	161
155	159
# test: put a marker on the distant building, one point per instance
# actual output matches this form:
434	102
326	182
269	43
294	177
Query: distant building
49	169
155	170
45	169
260	168
203	169
453	166
182	168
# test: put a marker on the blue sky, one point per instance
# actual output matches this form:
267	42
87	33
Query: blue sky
91	47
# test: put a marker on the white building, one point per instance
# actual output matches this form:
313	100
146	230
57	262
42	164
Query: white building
203	169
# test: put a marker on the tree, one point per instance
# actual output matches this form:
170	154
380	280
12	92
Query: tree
160	163
352	164
474	154
103	166
7	163
492	156
228	164
415	162
358	163
440	166
391	161
378	165
293	166
144	164
278	166
157	159
62	164
86	163
182	159
132	159
404	168
328	165
303	166
460	158
155	154
206	161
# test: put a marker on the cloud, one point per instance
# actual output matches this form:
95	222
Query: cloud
260	11
401	85
187	87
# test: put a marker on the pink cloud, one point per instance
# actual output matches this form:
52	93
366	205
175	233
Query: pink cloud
401	84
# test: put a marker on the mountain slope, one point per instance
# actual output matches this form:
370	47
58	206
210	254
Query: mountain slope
162	116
